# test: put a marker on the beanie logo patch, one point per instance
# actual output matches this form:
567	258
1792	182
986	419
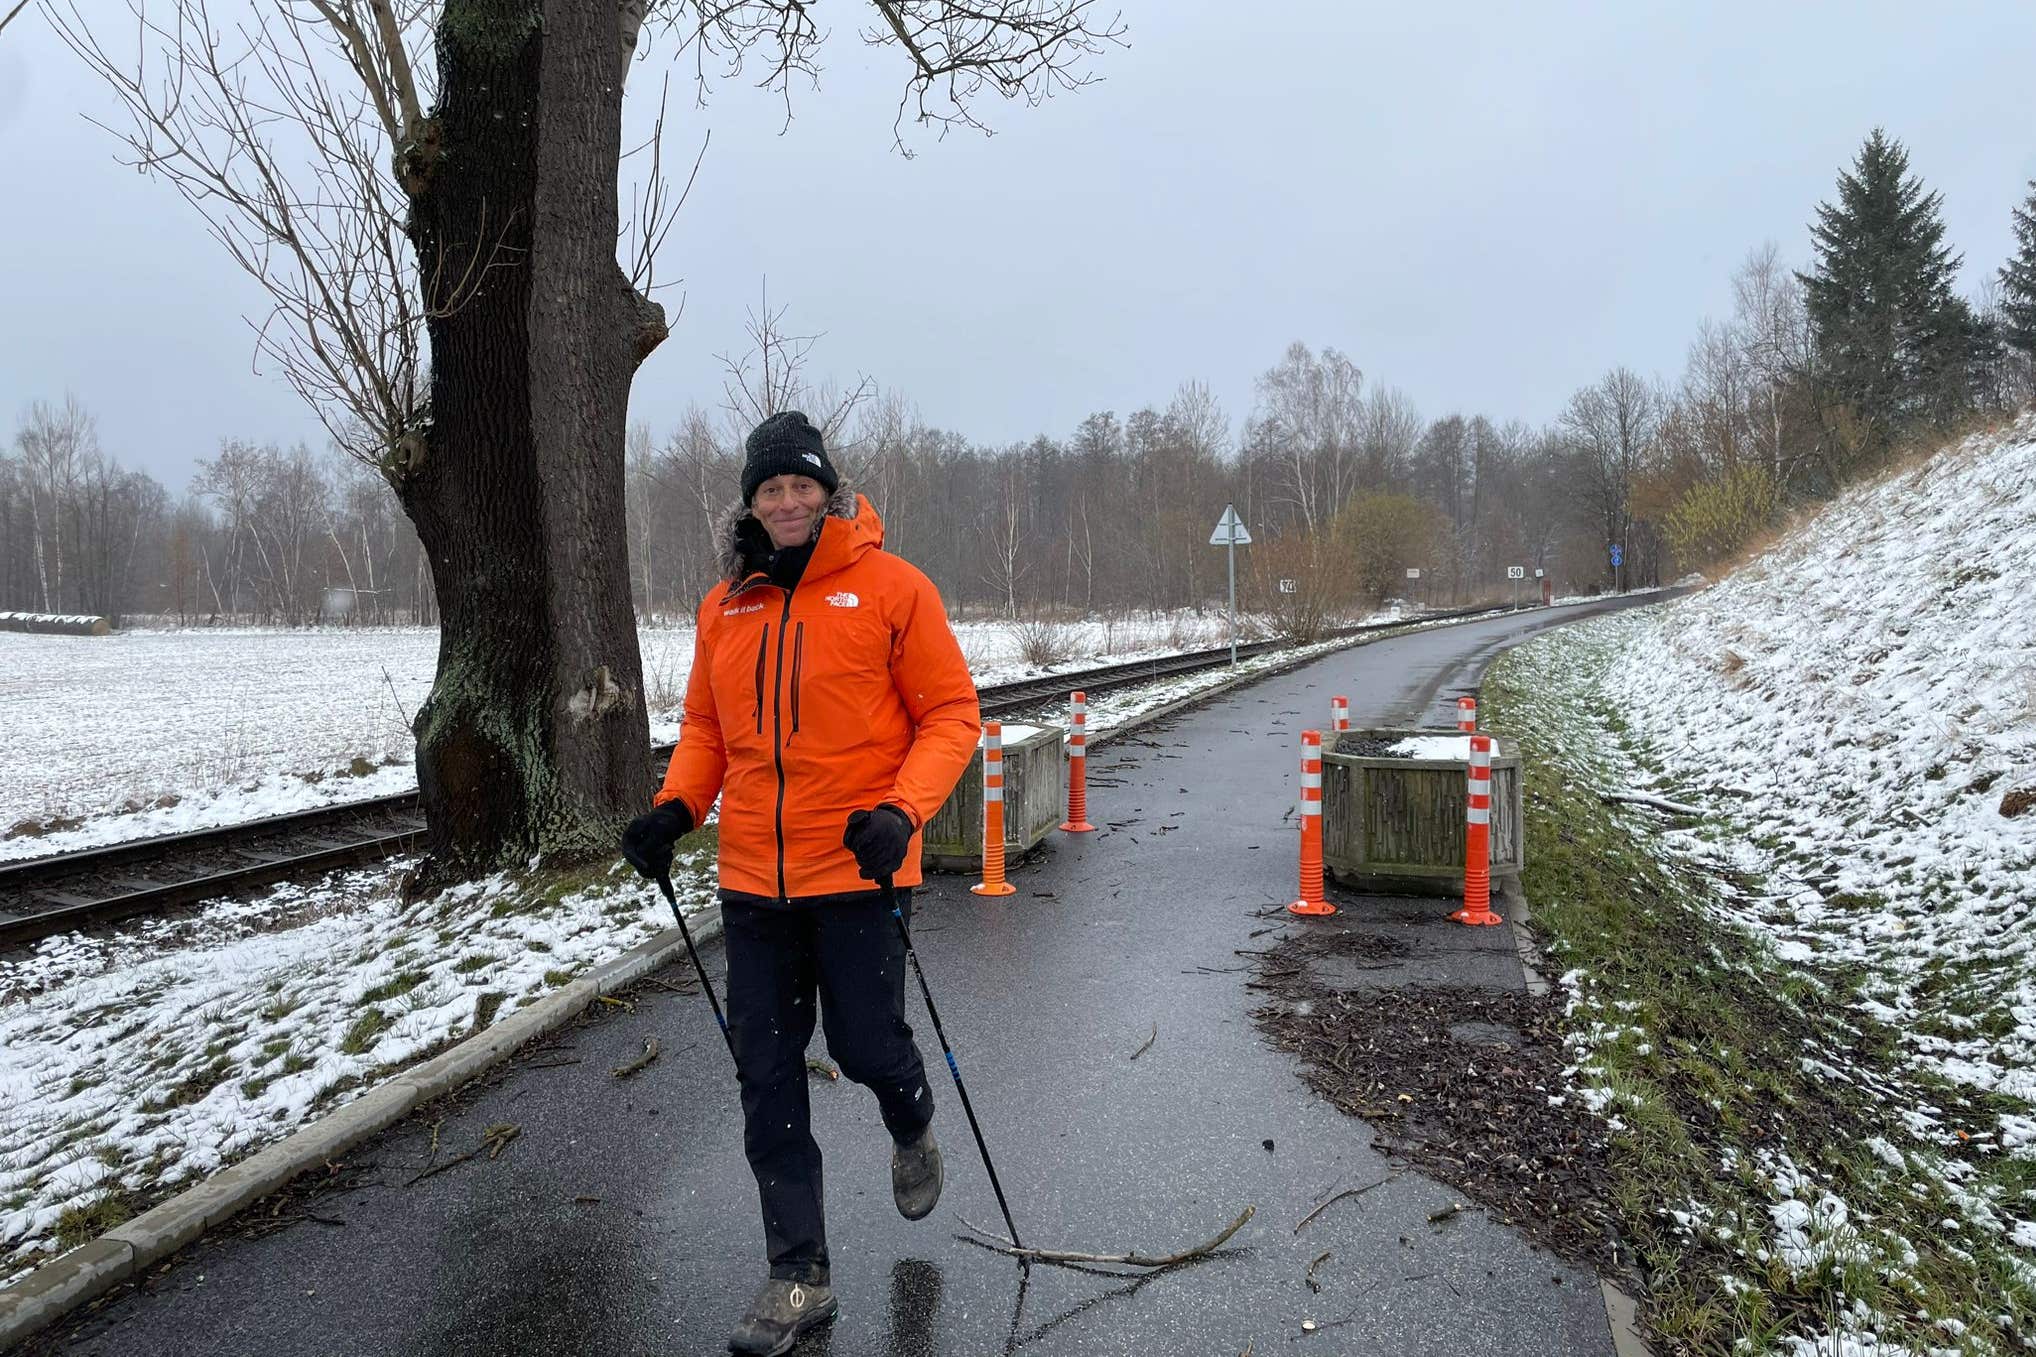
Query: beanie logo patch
844	599
811	457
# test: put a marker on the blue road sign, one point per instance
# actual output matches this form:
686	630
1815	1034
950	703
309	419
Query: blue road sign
1618	556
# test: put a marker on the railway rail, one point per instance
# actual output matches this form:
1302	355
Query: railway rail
44	896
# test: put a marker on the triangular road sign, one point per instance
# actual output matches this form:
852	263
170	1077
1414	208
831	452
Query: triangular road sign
1230	530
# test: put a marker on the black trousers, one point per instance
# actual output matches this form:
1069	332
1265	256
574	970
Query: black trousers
849	955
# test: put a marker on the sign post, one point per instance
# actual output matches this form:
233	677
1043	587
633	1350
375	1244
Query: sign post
1542	585
1516	573
1231	534
1618	559
1414	573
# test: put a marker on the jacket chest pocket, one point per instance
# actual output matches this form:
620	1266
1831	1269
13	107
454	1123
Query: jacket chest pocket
745	657
838	670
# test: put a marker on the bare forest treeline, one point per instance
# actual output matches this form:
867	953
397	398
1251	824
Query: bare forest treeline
1344	484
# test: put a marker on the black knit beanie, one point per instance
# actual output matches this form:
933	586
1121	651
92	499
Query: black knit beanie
786	444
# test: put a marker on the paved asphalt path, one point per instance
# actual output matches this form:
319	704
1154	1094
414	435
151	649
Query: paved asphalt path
623	1219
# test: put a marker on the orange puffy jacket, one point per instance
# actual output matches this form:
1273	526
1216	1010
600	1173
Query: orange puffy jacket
846	692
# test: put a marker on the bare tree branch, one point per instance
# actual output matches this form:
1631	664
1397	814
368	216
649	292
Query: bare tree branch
294	177
997	1243
1018	49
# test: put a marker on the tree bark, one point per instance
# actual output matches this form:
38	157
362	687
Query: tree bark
534	738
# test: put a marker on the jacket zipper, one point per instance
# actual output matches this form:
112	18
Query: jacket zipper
798	669
762	644
777	741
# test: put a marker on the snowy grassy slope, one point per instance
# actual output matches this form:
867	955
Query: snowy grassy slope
1806	1012
1861	704
156	732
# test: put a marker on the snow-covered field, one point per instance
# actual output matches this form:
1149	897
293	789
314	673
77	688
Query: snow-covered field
1860	703
157	732
152	1057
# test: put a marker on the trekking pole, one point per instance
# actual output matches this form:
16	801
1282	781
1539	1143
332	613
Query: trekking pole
891	899
664	882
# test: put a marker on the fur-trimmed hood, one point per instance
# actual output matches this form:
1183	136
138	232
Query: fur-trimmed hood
738	550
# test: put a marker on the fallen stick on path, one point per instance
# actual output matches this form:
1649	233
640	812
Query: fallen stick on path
1347	1192
1131	1259
1651	802
494	1140
1148	1043
650	1053
1320	1259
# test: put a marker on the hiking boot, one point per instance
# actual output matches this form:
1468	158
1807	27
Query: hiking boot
780	1313
916	1176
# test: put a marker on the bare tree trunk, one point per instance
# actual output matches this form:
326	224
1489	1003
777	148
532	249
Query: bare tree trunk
530	741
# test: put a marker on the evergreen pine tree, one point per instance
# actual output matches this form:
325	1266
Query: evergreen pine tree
2018	281
1895	342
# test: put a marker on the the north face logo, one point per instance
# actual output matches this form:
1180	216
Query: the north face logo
811	457
844	599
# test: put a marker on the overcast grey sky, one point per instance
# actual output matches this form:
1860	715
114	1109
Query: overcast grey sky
1486	205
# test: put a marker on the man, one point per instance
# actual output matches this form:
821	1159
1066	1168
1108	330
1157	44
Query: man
831	709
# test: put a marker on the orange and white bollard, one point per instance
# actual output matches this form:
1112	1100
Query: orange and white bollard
1477	851
1339	714
1311	901
1466	713
993	882
1078	766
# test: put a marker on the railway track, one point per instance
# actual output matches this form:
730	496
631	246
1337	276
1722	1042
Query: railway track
44	896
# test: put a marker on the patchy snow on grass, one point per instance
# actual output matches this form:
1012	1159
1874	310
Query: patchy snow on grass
1860	705
137	1063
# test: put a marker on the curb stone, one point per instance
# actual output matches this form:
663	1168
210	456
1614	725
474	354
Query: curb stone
1621	1310
85	1273
1623	1313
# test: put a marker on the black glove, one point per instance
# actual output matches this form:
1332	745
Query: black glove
879	839
647	842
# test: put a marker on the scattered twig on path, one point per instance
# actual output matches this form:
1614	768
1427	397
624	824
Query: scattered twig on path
1339	1323
667	987
650	1053
1148	1043
819	1066
552	1064
1130	1259
1320	1259
583	1198
1651	802
493	1140
1347	1192
614	1002
1447	1212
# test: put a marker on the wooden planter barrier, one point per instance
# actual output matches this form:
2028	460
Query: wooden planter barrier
49	625
1035	784
1395	825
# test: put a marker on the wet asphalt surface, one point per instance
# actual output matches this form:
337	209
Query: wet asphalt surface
623	1218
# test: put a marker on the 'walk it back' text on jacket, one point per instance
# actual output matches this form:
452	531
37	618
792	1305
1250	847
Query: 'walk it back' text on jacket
847	691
